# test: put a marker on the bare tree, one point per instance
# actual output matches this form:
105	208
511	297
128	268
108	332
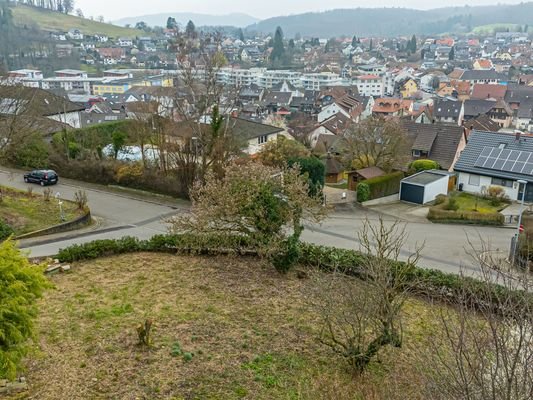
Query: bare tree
204	105
484	347
260	203
359	317
376	142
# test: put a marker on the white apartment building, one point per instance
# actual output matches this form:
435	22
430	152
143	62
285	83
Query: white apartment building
369	85
268	79
320	80
25	73
239	77
80	85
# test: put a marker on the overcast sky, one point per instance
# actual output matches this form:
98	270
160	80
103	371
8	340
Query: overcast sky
115	9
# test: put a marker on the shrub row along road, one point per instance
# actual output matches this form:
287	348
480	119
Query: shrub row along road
126	214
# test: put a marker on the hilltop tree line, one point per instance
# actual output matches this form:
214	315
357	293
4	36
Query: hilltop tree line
63	6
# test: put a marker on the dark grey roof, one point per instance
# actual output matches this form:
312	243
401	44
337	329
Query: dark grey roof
247	129
425	177
424	140
478	140
472	75
518	94
278	98
473	108
447	108
446	142
526	109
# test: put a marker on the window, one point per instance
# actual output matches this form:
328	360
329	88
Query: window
262	139
416	153
473	180
502	182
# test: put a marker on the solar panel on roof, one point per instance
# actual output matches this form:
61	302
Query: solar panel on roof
519	162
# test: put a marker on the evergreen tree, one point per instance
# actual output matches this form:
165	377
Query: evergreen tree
291	44
190	30
354	41
452	54
371	45
21	284
278	50
412	46
171	23
240	34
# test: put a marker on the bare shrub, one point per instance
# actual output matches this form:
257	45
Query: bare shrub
359	318
47	194
80	197
484	351
29	191
144	331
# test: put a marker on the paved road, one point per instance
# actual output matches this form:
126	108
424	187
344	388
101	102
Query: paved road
446	246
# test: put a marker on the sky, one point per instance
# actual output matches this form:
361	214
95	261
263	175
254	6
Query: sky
116	9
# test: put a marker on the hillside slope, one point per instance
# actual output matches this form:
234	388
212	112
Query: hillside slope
54	21
395	21
234	19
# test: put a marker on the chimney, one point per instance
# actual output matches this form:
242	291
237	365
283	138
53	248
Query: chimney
518	135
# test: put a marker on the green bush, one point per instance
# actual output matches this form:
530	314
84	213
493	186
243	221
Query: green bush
5	230
315	169
363	192
21	285
472	217
385	185
422	165
452	204
432	284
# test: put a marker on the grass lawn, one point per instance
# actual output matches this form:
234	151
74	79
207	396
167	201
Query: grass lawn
27	214
224	328
469	202
54	21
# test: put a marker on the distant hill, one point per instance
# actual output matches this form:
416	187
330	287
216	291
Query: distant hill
395	21
235	19
48	20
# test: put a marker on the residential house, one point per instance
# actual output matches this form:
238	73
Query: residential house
41	103
485	92
389	106
497	110
276	102
59	36
481	123
111	55
482	64
447	111
497	159
442	143
408	88
125	42
524	116
483	76
75	34
251	55
335	125
255	134
369	85
347	105
251	93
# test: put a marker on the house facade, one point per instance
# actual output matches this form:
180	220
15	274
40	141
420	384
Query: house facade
497	159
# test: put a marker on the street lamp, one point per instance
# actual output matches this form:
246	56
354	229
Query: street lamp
522	183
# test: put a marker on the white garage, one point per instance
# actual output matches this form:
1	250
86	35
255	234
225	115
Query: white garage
424	187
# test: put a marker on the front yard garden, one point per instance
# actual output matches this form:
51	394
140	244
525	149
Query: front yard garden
464	207
23	212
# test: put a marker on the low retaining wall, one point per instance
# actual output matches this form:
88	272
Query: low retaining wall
64	227
393	198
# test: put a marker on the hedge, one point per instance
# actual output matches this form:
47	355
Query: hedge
385	185
431	284
440	215
422	165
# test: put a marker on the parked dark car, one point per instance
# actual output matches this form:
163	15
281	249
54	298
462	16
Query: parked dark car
41	176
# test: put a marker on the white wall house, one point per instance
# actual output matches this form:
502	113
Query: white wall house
369	85
71	118
477	184
330	110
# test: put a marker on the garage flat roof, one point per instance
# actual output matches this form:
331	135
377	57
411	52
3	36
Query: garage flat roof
424	177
